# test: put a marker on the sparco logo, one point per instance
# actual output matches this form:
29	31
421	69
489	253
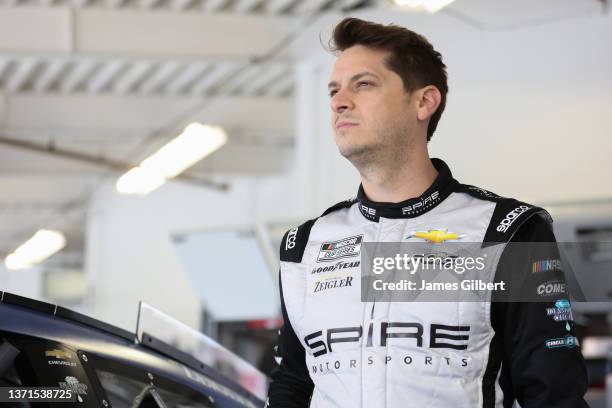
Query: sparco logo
511	217
551	288
343	248
291	239
321	342
335	267
421	205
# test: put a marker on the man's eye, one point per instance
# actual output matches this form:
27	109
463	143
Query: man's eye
332	93
363	83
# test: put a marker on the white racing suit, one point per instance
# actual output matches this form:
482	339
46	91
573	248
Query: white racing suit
336	350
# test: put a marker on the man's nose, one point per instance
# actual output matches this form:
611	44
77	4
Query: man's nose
341	102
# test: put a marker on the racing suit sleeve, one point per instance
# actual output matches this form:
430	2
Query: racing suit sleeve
541	362
291	386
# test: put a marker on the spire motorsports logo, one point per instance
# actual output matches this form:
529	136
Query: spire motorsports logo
422	204
331	342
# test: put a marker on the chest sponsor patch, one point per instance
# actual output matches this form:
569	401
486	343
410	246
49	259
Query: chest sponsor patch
332	283
552	288
344	248
562	311
567	341
546	265
335	267
437	236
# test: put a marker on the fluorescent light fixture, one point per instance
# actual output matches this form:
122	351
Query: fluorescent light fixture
36	249
139	181
430	6
196	142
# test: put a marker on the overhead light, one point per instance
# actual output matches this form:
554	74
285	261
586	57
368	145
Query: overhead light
36	249
139	181
196	142
430	6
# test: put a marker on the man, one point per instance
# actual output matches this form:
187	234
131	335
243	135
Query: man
388	90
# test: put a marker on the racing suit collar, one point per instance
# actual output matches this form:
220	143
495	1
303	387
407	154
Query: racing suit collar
441	188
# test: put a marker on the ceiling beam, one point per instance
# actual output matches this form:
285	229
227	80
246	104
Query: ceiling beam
162	75
51	72
79	74
244	6
272	72
132	77
140	33
213	5
281	86
181	5
110	164
22	74
309	6
212	78
88	118
185	77
237	83
276	6
104	76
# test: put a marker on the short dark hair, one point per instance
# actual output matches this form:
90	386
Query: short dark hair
412	57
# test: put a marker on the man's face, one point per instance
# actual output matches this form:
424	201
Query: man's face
371	111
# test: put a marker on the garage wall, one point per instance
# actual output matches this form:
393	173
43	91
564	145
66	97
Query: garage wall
130	255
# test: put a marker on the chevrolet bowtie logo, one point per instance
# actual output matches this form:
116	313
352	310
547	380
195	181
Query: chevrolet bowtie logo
437	236
57	354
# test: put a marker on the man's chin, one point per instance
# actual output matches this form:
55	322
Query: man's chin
355	154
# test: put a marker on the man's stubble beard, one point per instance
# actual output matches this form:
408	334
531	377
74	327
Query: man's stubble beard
387	152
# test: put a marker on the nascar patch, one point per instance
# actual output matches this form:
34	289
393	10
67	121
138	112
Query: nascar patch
344	248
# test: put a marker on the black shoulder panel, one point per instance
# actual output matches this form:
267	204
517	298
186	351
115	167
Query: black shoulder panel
478	192
342	204
508	216
294	242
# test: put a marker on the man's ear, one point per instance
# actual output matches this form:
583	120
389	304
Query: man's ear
429	100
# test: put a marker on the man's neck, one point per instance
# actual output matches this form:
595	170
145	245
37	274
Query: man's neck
394	184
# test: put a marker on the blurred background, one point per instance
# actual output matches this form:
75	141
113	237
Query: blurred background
89	89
